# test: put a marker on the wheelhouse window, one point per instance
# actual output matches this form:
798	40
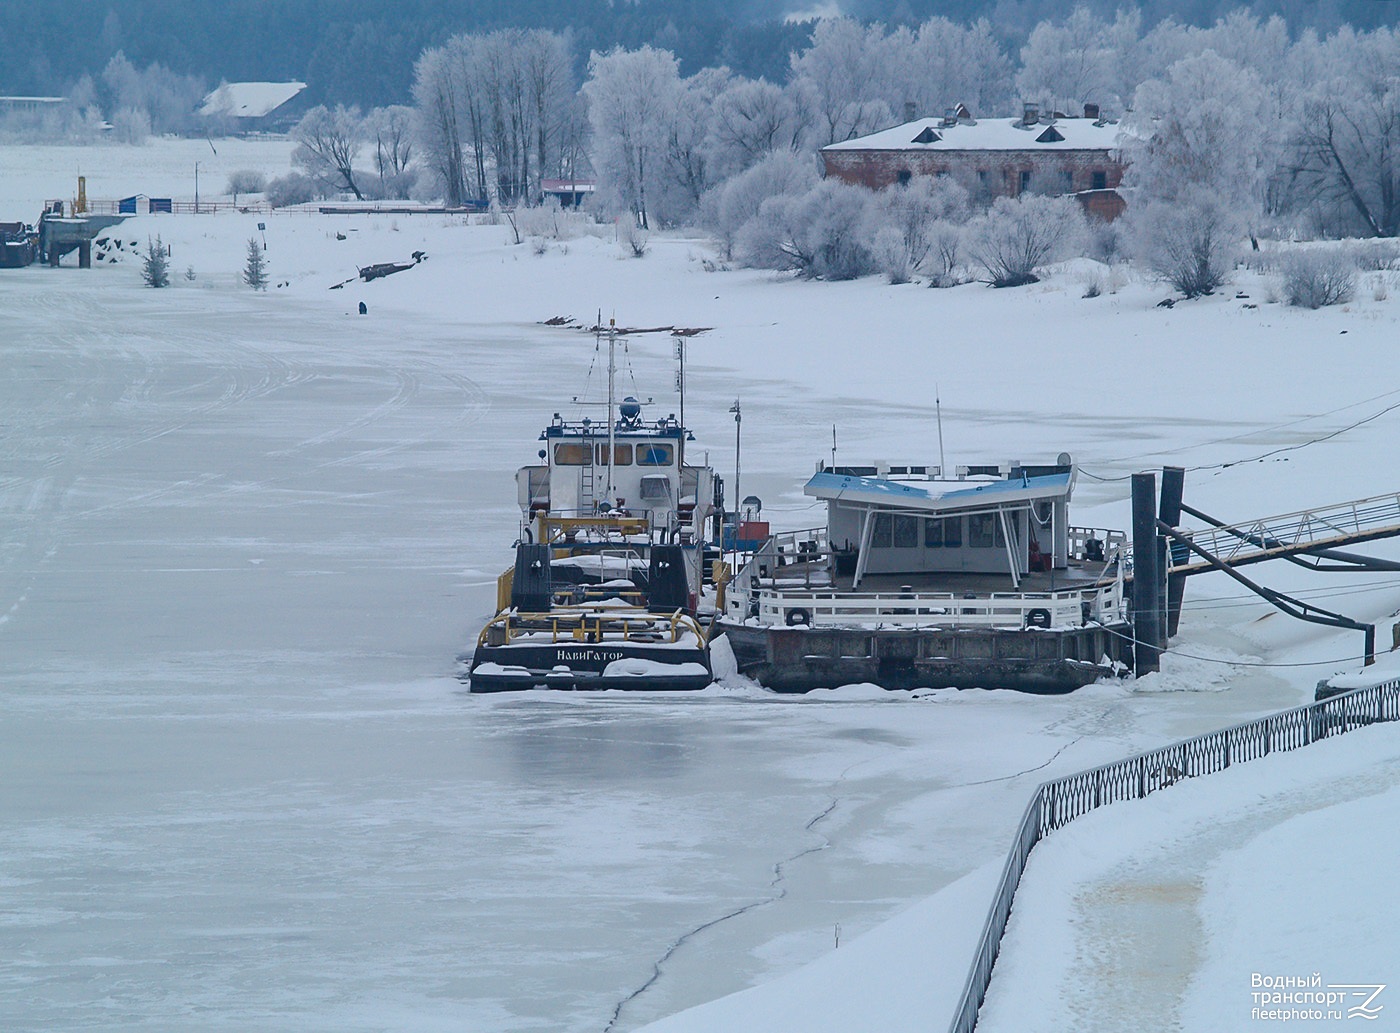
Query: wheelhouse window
656	454
943	532
882	534
656	487
984	531
906	532
572	453
622	458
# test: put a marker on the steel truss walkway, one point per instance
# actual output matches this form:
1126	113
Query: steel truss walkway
1306	532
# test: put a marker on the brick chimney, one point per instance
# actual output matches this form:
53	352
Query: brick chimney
1030	114
1091	112
910	111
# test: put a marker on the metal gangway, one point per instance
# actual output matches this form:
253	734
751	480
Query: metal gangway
1317	532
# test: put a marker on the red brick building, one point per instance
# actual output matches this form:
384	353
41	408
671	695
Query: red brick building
998	157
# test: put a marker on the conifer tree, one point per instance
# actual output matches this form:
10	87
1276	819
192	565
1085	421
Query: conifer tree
255	269
155	269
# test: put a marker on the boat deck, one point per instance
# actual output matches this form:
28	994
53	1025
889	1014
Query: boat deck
817	577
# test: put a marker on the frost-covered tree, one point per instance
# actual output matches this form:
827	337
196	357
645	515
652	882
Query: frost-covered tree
632	99
688	169
822	234
153	96
1191	245
328	141
155	267
750	119
845	78
911	220
1068	63
1200	144
390	131
255	266
439	122
956	64
245	181
1018	236
1348	131
731	206
495	114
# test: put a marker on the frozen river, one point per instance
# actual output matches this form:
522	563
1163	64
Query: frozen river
241	544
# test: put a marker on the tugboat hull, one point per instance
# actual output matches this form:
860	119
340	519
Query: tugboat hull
516	667
1045	661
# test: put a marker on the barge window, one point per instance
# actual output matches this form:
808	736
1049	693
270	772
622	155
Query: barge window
906	532
624	455
655	454
984	531
943	532
572	454
883	533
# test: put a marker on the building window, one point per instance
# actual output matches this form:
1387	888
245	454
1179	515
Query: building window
904	176
1069	181
982	177
1100	180
906	532
1025	180
655	454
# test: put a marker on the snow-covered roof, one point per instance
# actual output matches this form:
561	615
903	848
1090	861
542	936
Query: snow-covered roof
938	496
578	186
989	134
249	99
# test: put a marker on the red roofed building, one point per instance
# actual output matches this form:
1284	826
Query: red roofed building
999	157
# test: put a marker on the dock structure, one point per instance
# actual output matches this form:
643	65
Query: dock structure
1313	538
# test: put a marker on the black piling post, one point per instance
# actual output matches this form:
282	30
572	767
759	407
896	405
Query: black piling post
1173	487
1147	630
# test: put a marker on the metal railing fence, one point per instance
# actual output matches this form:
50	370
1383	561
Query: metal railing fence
1058	802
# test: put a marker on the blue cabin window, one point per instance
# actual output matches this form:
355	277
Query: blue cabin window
655	454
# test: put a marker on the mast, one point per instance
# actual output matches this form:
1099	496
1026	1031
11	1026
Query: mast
612	422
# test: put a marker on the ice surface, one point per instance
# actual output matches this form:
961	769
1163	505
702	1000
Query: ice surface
243	538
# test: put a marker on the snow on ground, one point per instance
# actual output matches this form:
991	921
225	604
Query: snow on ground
1158	914
245	534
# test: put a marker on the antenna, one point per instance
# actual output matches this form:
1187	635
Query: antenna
938	408
833	446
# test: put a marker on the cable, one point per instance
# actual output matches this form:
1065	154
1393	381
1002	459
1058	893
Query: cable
1273	452
1236	663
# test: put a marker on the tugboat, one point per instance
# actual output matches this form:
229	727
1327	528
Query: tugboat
19	245
610	560
917	580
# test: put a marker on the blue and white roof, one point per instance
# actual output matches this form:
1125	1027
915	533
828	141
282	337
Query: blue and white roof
939	496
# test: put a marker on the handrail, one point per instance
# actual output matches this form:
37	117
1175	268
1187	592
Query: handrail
595	618
1059	801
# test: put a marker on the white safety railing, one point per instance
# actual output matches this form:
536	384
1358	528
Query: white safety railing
826	608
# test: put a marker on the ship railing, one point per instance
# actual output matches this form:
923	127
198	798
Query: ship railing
1109	541
935	609
589	624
